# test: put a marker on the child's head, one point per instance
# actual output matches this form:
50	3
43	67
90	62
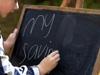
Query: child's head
8	6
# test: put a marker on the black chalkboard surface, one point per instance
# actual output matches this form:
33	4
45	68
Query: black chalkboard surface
75	33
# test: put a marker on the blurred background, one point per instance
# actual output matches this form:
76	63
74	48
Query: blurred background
8	24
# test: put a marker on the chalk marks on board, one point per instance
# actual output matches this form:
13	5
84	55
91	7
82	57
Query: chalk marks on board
44	24
39	50
36	50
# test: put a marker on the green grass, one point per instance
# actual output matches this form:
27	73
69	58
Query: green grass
56	2
91	4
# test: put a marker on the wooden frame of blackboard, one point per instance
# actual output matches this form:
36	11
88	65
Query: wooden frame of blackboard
65	9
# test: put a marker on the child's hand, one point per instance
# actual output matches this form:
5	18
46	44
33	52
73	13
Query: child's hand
8	44
49	63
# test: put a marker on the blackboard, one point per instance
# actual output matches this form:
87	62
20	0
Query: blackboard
74	32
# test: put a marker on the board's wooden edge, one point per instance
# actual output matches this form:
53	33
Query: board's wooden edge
96	69
64	9
18	26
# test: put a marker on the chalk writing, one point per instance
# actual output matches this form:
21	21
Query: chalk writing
24	47
35	51
44	24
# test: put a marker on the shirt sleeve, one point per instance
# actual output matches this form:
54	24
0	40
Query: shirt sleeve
7	68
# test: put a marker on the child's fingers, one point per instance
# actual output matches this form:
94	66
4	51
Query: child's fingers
15	31
54	53
14	34
56	57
